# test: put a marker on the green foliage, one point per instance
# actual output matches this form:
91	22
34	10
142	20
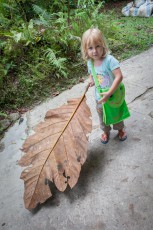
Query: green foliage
3	115
108	1
57	63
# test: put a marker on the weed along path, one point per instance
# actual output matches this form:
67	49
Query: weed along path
114	190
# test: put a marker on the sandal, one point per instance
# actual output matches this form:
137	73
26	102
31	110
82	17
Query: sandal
105	138
122	135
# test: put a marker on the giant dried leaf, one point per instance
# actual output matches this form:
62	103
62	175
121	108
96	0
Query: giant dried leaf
56	151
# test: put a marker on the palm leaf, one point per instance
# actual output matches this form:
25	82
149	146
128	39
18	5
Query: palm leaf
56	151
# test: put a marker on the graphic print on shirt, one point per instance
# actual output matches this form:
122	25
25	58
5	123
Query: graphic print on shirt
104	81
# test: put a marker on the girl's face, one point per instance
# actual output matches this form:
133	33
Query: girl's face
95	51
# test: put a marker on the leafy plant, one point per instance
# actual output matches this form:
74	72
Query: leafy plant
57	63
3	115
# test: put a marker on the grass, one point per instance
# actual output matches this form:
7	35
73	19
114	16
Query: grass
137	35
136	32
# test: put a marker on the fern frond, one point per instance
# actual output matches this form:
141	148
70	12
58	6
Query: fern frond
41	12
9	7
57	63
3	20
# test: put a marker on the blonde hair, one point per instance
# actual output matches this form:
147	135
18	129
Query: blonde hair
91	37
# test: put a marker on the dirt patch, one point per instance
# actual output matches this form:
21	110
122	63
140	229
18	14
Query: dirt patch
117	6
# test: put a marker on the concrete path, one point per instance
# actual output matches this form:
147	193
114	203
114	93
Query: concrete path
115	188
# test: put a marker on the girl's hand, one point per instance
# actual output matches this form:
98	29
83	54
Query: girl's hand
91	83
105	97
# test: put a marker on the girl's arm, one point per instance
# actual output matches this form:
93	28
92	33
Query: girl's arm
118	78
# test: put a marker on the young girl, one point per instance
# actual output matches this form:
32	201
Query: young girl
108	72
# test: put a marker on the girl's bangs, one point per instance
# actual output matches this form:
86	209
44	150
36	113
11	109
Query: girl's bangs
93	40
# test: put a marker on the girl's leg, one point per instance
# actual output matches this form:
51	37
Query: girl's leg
118	126
106	129
121	132
100	115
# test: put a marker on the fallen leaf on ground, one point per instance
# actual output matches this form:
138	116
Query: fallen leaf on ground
56	151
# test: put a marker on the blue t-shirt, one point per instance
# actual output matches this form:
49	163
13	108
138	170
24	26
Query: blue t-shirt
104	72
